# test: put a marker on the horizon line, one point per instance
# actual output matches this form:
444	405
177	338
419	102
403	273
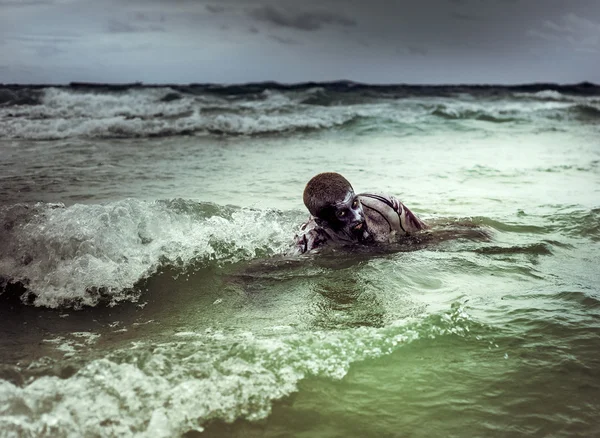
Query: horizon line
347	82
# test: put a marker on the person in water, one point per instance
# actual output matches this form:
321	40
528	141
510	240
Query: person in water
339	216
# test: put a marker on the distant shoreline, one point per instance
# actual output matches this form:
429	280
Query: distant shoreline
292	85
340	86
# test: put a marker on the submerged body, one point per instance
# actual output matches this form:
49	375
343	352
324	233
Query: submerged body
381	218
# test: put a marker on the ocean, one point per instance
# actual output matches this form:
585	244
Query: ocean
145	289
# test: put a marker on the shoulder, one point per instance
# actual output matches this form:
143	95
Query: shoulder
381	212
379	199
399	217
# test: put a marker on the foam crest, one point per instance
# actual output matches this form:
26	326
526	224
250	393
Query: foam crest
170	388
146	113
81	254
161	111
552	95
498	112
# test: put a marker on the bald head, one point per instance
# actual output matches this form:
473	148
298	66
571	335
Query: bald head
325	190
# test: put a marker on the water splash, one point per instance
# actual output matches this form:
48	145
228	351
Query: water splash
83	254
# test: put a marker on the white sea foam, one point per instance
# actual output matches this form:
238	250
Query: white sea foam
63	253
500	109
556	96
167	389
73	343
550	94
144	112
182	385
141	113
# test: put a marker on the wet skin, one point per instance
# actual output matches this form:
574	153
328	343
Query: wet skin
347	216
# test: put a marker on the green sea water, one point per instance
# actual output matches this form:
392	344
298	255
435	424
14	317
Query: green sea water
146	294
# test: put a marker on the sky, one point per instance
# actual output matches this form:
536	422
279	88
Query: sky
237	41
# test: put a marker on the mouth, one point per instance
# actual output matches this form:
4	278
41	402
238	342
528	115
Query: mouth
358	227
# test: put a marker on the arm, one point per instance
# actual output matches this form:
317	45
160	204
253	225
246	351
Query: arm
310	237
408	220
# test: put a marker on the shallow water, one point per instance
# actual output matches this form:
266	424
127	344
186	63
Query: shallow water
145	294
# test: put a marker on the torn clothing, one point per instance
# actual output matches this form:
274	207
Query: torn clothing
386	218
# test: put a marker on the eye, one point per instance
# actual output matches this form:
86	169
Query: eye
341	213
355	203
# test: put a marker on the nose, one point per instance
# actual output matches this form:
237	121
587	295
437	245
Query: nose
358	216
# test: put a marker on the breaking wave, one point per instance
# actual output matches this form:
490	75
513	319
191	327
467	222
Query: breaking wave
170	388
51	113
158	113
84	254
586	112
472	114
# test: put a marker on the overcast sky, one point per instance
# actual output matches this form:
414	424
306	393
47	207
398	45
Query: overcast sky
233	41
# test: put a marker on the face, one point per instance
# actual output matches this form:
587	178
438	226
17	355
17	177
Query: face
347	216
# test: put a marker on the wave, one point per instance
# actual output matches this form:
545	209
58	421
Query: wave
343	86
578	223
550	95
153	388
137	111
470	114
586	112
535	249
160	112
188	124
567	221
558	95
85	254
20	96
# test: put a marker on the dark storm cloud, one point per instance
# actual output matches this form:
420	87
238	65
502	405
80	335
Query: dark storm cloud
137	22
481	1
467	17
429	41
422	51
24	2
215	9
117	26
283	40
46	51
581	33
40	38
303	20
